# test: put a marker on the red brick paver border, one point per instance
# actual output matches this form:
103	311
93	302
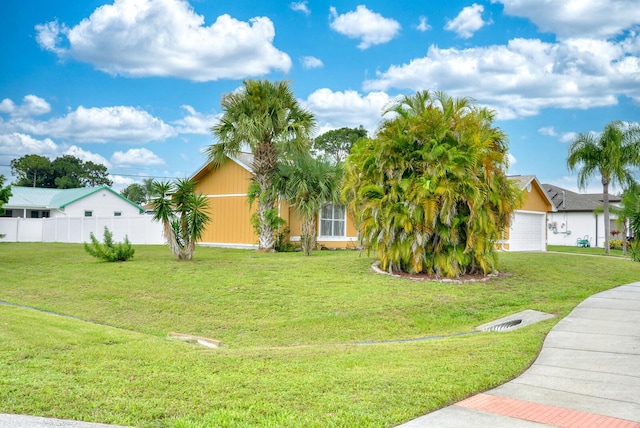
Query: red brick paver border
542	413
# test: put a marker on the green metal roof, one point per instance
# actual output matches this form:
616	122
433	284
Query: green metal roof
41	198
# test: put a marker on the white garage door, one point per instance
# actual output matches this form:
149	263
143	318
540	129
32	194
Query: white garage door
528	232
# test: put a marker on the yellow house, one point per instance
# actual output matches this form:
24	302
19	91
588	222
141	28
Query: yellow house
226	189
528	228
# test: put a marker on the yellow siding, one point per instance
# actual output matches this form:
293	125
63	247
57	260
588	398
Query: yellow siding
229	179
231	222
535	200
226	189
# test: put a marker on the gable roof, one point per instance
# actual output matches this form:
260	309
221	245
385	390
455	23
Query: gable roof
566	200
43	198
245	160
523	181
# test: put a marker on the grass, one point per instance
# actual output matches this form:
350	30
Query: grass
289	324
594	251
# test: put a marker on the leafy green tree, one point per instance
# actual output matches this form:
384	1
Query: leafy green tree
336	144
266	117
183	213
147	184
612	155
109	251
32	171
5	194
65	172
135	192
95	174
308	183
429	191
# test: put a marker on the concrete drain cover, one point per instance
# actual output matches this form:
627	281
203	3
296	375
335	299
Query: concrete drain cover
515	321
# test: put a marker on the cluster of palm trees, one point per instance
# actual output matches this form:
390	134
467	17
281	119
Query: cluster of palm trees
265	117
430	190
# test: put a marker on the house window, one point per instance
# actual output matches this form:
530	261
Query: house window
88	213
117	213
333	220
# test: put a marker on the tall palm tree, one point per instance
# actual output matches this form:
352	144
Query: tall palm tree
266	117
309	183
612	155
183	214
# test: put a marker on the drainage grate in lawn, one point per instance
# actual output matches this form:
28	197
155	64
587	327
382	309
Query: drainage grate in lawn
515	321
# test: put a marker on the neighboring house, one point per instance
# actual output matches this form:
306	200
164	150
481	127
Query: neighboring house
576	218
226	189
528	228
37	202
70	215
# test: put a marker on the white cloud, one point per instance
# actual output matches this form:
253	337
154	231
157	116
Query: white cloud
300	6
87	156
309	62
577	18
512	159
120	182
348	108
137	157
370	27
96	125
423	26
16	145
468	21
31	106
524	76
139	38
567	137
195	122
548	130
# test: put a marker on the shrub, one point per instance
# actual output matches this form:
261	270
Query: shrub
615	244
109	251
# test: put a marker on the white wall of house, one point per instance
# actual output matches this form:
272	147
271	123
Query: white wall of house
101	204
565	228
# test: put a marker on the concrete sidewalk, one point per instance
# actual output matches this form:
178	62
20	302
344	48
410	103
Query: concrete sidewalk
587	375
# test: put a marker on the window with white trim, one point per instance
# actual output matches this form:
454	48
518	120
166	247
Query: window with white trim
333	220
88	213
117	213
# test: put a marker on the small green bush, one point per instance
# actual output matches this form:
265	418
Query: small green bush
109	251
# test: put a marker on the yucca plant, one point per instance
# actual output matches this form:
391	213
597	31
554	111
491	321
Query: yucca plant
183	213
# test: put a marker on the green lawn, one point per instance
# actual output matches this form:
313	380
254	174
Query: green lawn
593	251
290	325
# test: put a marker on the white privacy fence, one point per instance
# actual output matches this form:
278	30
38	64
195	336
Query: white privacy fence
140	229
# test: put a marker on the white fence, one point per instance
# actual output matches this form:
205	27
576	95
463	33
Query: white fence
140	229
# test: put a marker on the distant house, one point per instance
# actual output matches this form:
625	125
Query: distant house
576	218
226	190
527	230
37	202
70	215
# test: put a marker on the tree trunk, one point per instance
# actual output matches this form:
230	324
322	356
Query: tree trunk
308	237
266	238
607	225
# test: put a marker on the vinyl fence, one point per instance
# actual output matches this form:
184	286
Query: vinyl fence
139	229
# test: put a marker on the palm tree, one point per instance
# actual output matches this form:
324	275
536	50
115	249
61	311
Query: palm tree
309	183
430	192
612	155
183	214
266	117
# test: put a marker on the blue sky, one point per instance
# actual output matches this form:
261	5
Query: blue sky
136	84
